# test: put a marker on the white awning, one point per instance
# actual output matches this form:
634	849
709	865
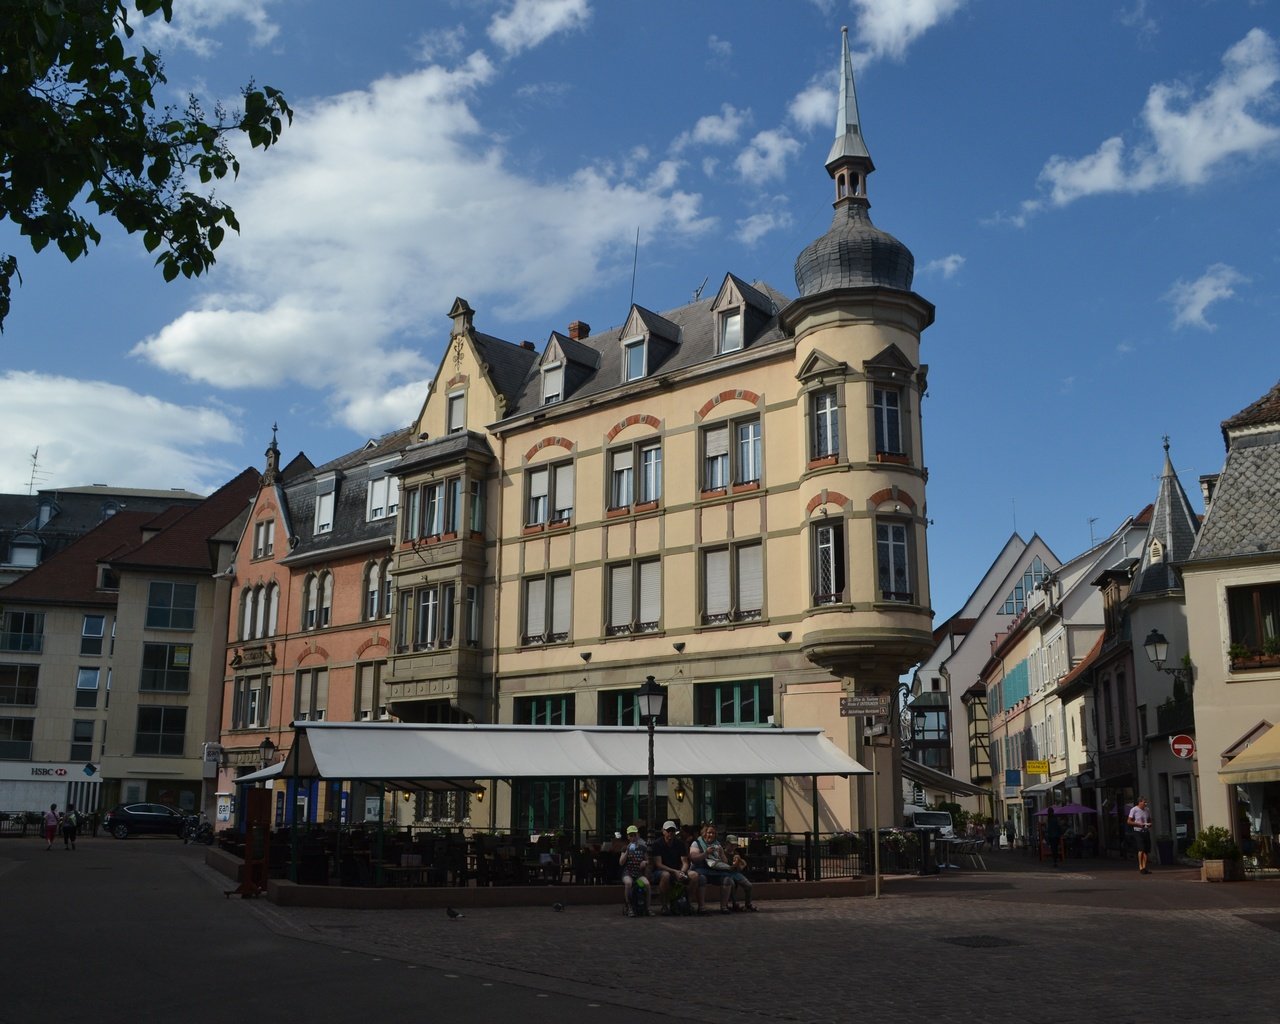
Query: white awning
459	754
1258	762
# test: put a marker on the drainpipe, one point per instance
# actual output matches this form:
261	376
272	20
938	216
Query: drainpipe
497	614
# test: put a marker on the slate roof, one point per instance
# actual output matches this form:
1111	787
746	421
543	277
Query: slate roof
445	449
854	253
71	576
350	526
692	329
509	364
1243	519
76	510
1174	524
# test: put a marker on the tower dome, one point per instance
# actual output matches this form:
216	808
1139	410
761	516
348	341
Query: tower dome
854	253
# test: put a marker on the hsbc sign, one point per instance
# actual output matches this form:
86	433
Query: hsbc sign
48	772
1182	745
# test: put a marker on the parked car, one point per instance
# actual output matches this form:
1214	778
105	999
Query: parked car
139	819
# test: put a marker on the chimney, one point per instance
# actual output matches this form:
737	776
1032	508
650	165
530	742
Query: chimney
527	345
579	330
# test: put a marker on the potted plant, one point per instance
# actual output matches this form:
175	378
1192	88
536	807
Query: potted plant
1220	857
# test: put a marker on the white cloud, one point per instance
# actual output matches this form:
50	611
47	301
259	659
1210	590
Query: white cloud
107	434
1139	18
442	44
1184	139
1191	299
814	106
753	228
766	157
358	234
715	129
530	22
721	49
194	20
885	28
947	266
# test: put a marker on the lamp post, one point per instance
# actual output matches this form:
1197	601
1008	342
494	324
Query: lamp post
266	753
650	701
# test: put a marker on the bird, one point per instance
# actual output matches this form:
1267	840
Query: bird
452	914
557	907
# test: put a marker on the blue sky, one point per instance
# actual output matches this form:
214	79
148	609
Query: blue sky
1089	189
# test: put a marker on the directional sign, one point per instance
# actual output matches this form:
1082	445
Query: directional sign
1182	745
864	704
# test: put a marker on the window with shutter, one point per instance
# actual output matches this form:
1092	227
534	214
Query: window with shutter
619	600
620	490
552	383
561	589
715	459
715	582
535	611
562	479
457	412
650	597
750	581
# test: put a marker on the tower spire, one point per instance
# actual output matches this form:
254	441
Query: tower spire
849	162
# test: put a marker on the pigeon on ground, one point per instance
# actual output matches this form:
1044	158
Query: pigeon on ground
557	907
453	914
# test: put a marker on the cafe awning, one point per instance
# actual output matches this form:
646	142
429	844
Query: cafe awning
1258	762
458	754
931	777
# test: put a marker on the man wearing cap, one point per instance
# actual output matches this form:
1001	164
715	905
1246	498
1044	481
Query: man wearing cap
671	865
635	865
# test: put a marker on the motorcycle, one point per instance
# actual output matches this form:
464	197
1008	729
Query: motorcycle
197	829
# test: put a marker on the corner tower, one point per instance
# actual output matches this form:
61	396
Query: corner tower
857	326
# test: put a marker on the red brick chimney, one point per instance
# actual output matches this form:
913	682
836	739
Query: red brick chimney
579	330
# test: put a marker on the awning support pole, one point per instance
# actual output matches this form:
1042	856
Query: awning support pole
815	864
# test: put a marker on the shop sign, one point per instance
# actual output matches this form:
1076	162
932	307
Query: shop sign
1037	767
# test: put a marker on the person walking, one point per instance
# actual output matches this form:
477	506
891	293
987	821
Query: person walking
1008	832
70	826
1140	822
1053	834
50	825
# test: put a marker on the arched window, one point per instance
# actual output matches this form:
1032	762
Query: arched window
386	588
326	598
259	612
310	601
246	614
273	609
372	591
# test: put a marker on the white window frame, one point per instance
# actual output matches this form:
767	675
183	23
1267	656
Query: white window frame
729	336
730	456
830	563
824	407
264	538
888	420
552	383
629	347
635	474
326	495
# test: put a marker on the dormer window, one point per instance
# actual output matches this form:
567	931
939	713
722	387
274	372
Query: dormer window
730	331
325	488
633	359
1157	552
552	382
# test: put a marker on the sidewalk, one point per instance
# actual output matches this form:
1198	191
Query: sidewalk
1077	937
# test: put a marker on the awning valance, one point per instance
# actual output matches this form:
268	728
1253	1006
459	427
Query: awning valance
1258	762
458	754
926	776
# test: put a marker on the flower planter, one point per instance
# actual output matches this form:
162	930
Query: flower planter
1222	870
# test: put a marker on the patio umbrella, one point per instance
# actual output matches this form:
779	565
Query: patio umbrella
1067	809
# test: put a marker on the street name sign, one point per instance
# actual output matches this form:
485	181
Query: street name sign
864	704
1182	745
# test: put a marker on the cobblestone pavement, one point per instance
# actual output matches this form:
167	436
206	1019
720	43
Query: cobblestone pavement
1021	942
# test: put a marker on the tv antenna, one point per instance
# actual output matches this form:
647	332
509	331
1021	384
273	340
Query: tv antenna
697	292
36	474
1092	520
634	260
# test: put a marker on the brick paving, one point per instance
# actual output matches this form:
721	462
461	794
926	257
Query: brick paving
1020	942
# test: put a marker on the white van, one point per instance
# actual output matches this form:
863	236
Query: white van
924	817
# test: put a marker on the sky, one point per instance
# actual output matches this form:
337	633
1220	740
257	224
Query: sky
1090	191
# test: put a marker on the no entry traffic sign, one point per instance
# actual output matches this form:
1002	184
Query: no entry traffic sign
1182	745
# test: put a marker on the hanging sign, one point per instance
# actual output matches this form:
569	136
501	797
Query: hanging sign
1182	745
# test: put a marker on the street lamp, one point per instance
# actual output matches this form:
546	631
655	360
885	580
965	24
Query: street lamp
650	701
1157	648
266	752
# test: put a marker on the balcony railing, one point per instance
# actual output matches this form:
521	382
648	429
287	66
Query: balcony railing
1175	716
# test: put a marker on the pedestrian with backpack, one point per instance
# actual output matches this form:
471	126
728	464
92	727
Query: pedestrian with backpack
50	825
70	826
